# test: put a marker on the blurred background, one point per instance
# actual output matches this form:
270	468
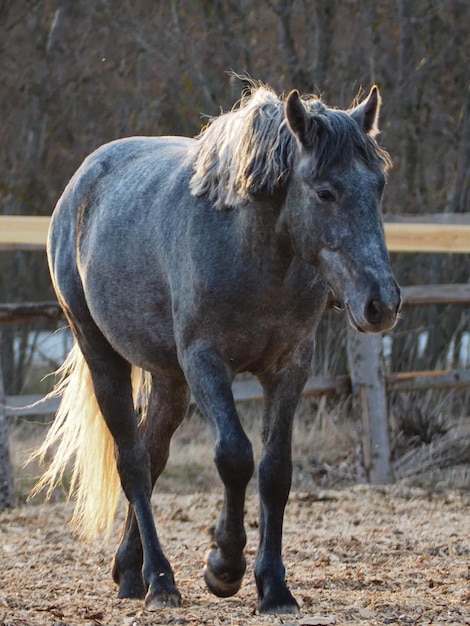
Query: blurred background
74	75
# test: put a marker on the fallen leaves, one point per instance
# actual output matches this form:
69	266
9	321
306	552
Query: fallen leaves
362	556
317	620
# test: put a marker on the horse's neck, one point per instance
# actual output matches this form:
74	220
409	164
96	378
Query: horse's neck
263	233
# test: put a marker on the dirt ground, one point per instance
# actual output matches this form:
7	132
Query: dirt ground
359	555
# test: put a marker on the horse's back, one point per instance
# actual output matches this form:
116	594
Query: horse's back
107	242
120	167
117	173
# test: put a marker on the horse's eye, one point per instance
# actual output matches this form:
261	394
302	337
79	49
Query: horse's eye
326	195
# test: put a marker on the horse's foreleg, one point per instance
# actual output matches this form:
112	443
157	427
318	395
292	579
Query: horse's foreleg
167	406
210	382
275	474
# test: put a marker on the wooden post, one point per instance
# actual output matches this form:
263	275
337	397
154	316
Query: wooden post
6	475
367	370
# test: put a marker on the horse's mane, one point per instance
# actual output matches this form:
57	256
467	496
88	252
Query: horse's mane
250	150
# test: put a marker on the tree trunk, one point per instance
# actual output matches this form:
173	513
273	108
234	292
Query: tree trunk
460	193
6	476
296	71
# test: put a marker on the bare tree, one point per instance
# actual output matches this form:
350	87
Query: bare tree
75	75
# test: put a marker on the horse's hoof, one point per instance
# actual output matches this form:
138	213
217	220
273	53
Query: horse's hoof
221	588
281	603
131	592
130	582
221	581
164	599
278	609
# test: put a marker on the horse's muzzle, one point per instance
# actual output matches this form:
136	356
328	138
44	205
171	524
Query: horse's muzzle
380	312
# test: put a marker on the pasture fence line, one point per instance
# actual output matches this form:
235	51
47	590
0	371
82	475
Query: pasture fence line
440	232
249	390
368	380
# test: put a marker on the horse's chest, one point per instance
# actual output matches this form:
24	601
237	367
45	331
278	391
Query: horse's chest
258	333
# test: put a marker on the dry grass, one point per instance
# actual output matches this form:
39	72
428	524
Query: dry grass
324	452
323	443
427	443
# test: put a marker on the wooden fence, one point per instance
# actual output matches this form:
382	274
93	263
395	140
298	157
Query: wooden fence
367	380
424	233
20	406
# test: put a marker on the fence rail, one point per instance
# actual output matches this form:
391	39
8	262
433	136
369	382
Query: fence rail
23	406
426	233
250	390
415	295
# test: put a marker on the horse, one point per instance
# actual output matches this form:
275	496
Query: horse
181	262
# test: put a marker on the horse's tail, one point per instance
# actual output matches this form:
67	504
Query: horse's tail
79	432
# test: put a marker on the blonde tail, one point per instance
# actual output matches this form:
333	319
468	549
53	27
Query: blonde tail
79	431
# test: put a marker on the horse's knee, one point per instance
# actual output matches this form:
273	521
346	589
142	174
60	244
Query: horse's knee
234	460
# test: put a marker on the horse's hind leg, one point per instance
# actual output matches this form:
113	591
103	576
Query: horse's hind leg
111	377
168	404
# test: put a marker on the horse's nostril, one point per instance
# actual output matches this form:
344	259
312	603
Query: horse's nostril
374	311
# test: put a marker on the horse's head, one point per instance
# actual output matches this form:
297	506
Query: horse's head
333	206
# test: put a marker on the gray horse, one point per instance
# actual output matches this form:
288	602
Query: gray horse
192	260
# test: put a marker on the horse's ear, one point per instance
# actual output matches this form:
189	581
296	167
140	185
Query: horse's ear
367	113
296	116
